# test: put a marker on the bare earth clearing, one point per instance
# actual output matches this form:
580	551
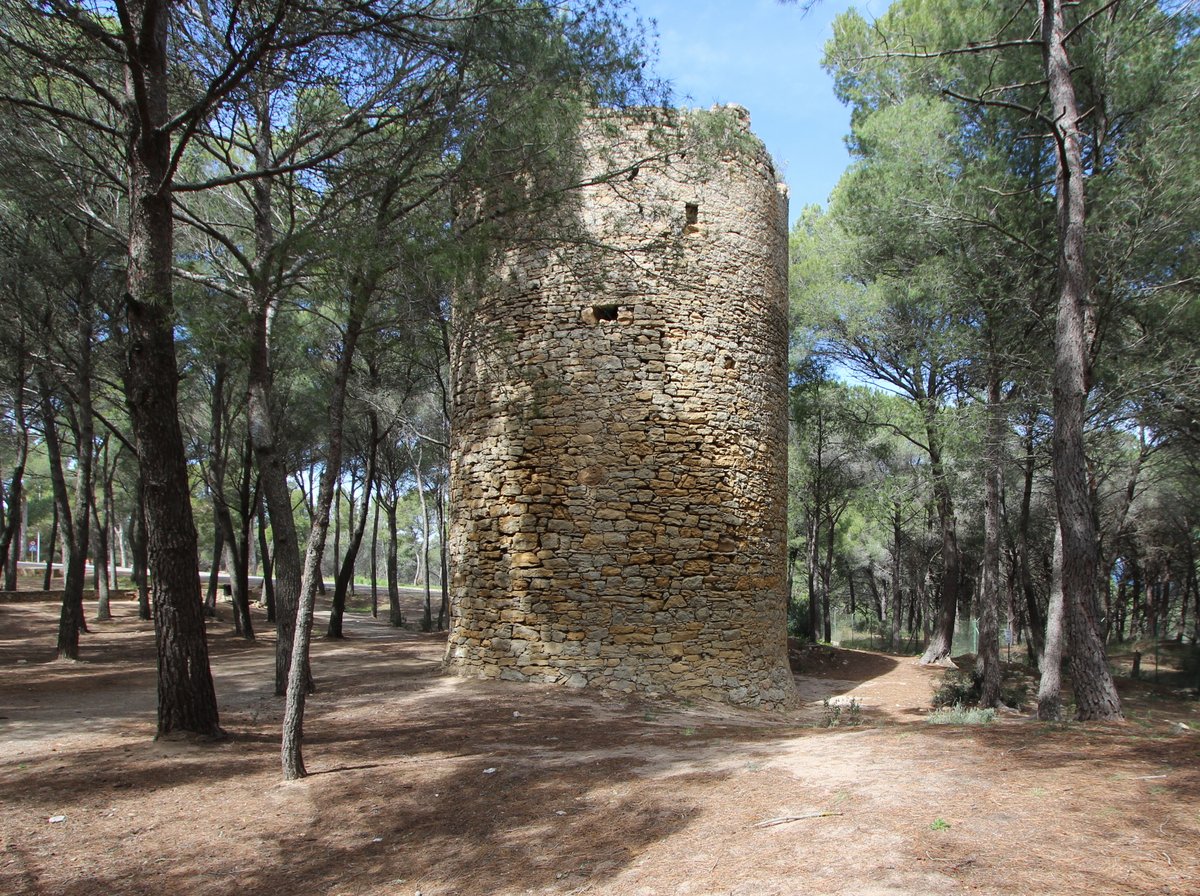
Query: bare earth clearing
427	784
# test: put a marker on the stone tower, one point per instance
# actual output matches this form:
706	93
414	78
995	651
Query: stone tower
618	489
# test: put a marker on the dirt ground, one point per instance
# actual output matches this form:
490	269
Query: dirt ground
427	784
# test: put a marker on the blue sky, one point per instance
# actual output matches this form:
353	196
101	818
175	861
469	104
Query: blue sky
767	57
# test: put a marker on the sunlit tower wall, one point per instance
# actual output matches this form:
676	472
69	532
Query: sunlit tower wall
619	466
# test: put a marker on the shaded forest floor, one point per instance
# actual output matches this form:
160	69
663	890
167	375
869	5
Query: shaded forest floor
423	783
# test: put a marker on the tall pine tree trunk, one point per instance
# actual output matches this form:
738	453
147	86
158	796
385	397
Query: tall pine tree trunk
186	699
1095	694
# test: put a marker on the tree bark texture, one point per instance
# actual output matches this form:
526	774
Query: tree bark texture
1095	695
186	699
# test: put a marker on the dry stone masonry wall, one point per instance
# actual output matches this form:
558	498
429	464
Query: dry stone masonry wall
619	479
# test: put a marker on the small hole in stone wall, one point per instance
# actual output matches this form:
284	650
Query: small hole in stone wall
692	214
605	312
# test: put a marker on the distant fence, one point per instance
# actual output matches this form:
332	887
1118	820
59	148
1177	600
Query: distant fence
847	630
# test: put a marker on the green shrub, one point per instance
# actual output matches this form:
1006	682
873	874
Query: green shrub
839	715
964	689
957	689
960	715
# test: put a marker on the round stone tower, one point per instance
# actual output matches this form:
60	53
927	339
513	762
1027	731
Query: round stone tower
618	484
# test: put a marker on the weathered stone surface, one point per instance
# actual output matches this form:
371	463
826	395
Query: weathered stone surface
618	485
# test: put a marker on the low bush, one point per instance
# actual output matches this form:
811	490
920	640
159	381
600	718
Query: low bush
961	715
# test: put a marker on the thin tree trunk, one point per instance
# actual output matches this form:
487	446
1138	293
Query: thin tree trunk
260	406
102	558
894	638
337	533
239	573
395	617
299	678
1037	623
375	562
1095	694
1135	599
264	553
851	590
1050	687
243	542
814	588
15	496
74	520
120	530
1189	591
337	606
444	605
793	554
877	601
988	651
214	567
1121	608
110	519
138	551
827	581
1195	596
346	573
47	578
427	615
